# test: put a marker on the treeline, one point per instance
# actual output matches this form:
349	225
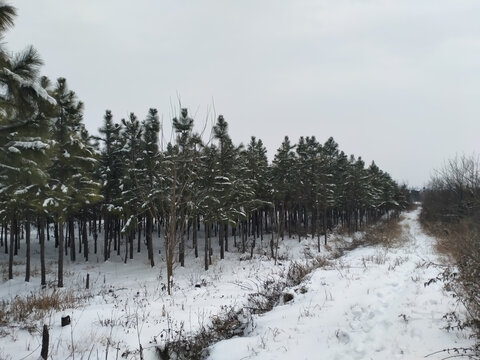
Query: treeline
121	184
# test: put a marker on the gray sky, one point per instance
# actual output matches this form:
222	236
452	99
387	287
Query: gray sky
395	81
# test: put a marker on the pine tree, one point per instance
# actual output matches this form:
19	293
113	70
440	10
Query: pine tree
283	180
257	172
110	173
208	202
150	175
23	144
131	150
71	175
224	181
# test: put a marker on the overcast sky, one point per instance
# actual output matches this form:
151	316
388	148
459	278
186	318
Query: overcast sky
395	81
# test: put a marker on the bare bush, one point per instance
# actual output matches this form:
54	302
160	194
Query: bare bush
228	324
454	191
451	212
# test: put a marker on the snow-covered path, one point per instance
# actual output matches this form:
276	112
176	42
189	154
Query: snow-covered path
371	305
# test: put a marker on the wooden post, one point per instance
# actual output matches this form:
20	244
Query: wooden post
45	341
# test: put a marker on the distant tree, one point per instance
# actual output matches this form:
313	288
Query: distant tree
132	147
110	171
256	171
224	182
150	176
283	180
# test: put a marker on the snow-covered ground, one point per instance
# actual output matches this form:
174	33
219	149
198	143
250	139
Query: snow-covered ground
369	304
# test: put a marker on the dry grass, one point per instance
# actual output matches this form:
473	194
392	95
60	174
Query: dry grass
454	239
460	242
35	306
389	234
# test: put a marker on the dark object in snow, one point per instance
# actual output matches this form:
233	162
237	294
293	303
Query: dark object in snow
198	285
163	353
66	320
45	341
287	297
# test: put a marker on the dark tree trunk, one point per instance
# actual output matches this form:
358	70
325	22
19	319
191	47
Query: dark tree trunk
15	231
28	250
55	234
126	246
106	225
45	343
85	239
181	248
207	235
195	236
10	257
244	236
325	225
139	235
80	242
61	242
132	239
43	269
95	236
6	238
71	228
119	236
221	241
149	236
225	234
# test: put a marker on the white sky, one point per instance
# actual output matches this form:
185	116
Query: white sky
395	81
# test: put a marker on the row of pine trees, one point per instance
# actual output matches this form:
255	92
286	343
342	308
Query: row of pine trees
73	186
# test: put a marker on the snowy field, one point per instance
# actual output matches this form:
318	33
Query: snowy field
370	303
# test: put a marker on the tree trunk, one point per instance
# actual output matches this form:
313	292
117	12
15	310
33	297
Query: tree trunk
10	257
43	269
132	239
149	237
139	235
207	234
181	247
15	232
6	238
221	241
106	225
195	236
85	239
71	228
28	250
80	242
61	242
225	234
95	235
